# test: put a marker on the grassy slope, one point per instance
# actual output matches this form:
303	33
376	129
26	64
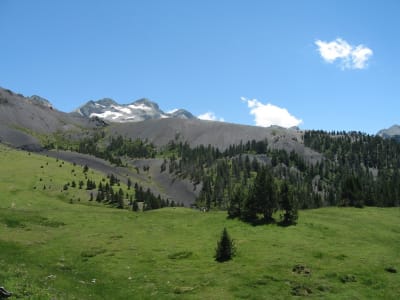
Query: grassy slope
51	249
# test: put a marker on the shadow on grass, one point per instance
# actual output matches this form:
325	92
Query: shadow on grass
263	221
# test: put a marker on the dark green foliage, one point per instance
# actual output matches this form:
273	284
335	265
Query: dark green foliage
113	179
259	199
138	148
236	204
351	192
106	193
119	199
117	147
268	202
225	248
135	206
150	201
391	269
364	168
356	170
90	184
288	205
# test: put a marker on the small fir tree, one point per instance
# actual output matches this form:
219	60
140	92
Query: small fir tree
225	248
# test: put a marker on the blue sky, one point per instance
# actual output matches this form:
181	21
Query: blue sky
331	64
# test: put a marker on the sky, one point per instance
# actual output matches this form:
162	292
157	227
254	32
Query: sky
330	65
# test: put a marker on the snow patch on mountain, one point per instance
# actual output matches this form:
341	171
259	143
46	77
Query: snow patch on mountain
140	110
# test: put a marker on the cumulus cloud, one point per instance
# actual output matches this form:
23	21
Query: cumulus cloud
268	114
348	56
210	116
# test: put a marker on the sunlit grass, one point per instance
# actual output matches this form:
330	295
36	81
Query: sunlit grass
52	249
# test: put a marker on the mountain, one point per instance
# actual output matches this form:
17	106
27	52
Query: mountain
391	133
217	134
37	100
140	110
25	120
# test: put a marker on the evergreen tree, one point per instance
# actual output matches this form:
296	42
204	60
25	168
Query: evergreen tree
225	248
120	198
351	192
250	207
135	206
261	198
236	203
288	205
269	203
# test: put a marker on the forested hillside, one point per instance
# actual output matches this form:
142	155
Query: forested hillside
254	179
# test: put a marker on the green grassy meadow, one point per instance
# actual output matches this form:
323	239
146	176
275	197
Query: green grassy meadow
52	247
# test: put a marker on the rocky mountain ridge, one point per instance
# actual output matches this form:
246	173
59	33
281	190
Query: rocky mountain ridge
137	111
392	132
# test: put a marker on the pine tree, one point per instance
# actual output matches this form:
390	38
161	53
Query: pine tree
236	203
289	205
269	203
120	199
225	248
261	198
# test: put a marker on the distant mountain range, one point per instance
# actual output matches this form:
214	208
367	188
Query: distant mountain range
140	110
29	122
25	121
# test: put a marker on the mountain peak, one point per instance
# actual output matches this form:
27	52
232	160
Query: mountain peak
181	114
35	99
144	102
105	101
392	132
139	110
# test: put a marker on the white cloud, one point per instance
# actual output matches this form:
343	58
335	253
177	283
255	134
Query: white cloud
360	55
350	57
268	114
210	116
